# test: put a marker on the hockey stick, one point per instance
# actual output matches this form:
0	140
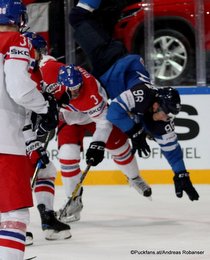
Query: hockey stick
74	193
39	163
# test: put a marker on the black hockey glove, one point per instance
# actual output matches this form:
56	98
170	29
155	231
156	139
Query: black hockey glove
182	183
48	121
138	140
95	153
36	152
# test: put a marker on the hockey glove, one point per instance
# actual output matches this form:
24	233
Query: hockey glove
48	121
36	152
50	88
61	93
138	140
95	153
182	183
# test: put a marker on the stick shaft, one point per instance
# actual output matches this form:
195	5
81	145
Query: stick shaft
39	163
74	193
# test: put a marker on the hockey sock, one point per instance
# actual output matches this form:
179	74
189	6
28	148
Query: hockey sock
125	161
13	234
45	191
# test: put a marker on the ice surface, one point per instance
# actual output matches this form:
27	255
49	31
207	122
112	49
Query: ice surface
116	220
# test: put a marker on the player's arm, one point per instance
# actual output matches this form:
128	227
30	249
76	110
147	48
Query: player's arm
123	112
97	113
21	88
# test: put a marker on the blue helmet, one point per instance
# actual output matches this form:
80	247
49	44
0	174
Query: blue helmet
169	100
37	41
70	77
13	12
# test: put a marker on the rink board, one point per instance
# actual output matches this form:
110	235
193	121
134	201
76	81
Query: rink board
151	176
193	129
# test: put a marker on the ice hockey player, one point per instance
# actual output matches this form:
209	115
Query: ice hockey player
84	104
44	187
137	108
18	93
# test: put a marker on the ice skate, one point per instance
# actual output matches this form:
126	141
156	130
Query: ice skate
141	186
72	211
52	227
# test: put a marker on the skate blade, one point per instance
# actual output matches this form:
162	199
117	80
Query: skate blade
53	235
70	219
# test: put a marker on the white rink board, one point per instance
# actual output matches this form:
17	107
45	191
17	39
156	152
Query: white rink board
196	150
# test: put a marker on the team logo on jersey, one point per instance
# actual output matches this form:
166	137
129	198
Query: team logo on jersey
19	53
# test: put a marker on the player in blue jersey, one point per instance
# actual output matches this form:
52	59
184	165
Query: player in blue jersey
137	107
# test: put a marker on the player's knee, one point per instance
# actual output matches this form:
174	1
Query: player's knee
69	152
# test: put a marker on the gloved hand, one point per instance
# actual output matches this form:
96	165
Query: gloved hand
95	153
140	144
48	121
182	183
138	140
60	92
36	152
50	88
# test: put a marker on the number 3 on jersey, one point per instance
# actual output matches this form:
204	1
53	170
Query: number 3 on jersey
95	99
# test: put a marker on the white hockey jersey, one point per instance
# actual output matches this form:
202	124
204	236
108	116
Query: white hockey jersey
17	91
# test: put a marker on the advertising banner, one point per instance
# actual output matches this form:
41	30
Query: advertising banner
192	127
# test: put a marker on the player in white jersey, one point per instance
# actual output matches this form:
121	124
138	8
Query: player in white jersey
18	94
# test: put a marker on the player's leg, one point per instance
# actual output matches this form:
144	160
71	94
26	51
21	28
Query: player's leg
13	234
15	191
70	139
69	157
103	52
44	192
120	149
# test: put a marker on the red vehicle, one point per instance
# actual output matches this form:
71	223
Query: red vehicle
174	37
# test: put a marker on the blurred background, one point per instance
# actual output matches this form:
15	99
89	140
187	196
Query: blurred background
173	36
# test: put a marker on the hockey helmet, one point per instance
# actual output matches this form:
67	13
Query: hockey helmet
13	12
169	100
70	77
37	41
